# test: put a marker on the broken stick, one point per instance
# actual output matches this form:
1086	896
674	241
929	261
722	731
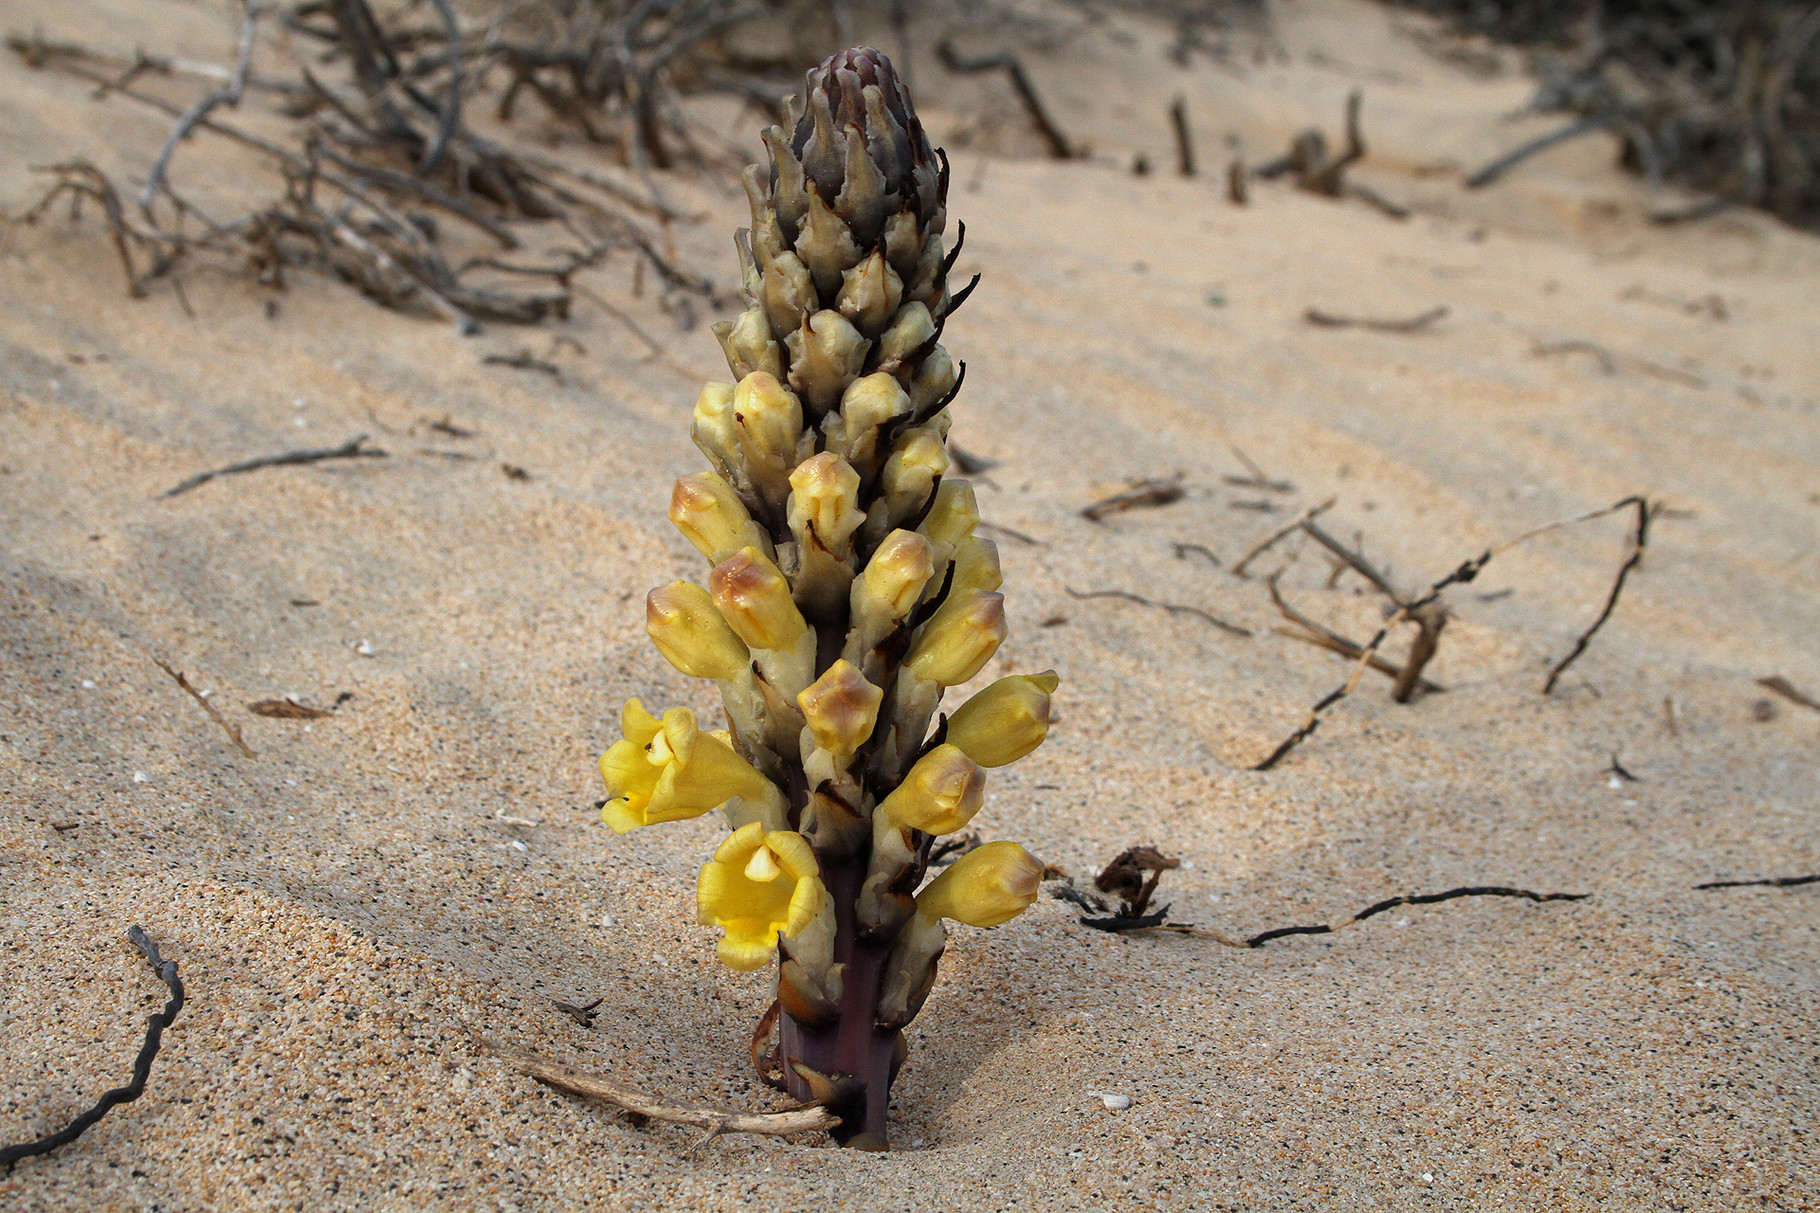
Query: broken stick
811	1119
954	61
1410	324
351	449
232	731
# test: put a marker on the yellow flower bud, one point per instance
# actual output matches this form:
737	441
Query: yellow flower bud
954	514
934	379
825	355
826	244
670	769
713	428
754	599
824	492
868	403
711	516
976	565
690	633
985	887
870	293
759	885
749	345
940	795
918	459
841	708
961	637
787	293
770	419
1005	721
909	330
894	578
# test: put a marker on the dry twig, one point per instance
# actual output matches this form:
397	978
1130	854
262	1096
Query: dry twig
1310	632
230	729
1271	540
1465	573
1053	139
166	970
1786	689
1145	494
1772	882
351	449
1639	536
1408	324
811	1119
1174	608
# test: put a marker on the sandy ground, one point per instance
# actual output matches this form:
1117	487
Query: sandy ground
349	910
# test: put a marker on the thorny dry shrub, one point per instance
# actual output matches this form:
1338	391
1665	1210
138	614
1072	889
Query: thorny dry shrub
1719	95
380	175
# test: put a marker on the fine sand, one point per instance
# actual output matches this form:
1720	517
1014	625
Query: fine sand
350	908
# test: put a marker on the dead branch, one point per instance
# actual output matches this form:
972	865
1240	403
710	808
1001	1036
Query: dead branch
1411	899
1607	363
1461	575
1786	689
1411	324
1133	877
1142	495
353	448
1541	143
1254	477
1174	608
1008	62
1316	634
524	360
228	94
365	156
1184	140
1354	560
166	971
230	729
1271	540
811	1119
1638	538
1773	882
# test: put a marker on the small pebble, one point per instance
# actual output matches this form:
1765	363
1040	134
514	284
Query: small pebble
1113	1101
364	648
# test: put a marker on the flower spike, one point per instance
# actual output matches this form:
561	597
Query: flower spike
846	593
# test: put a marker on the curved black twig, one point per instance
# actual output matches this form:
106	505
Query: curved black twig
1770	882
1120	924
142	1065
1639	537
1414	899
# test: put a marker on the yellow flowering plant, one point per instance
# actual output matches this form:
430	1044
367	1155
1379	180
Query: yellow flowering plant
846	592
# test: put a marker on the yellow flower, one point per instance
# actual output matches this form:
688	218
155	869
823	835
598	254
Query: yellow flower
759	885
986	886
669	769
1005	721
